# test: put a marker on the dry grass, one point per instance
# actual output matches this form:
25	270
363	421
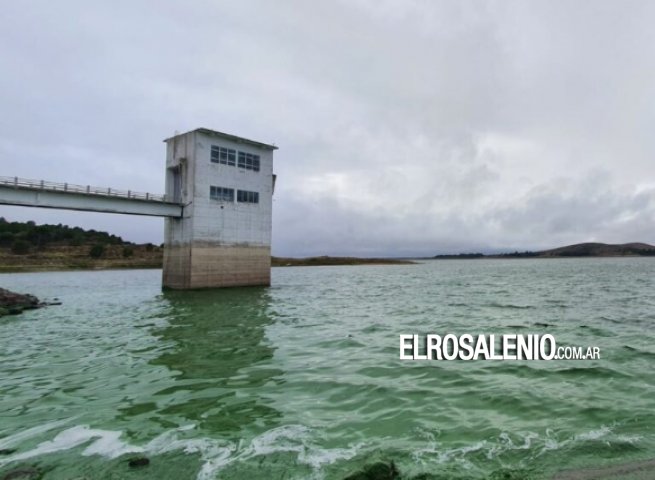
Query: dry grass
77	258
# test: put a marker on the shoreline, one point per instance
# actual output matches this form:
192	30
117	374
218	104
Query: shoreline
64	268
536	257
281	262
286	262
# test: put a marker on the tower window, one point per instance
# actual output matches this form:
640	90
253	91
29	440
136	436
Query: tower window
229	156
221	194
225	156
249	161
244	196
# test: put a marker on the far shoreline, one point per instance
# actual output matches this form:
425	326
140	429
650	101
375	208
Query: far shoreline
282	262
287	262
500	257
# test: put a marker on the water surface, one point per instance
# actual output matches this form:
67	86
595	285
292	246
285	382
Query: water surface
302	380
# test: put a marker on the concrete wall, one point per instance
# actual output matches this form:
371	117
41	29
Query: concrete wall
217	243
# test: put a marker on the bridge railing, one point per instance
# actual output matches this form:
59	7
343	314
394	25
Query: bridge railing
18	182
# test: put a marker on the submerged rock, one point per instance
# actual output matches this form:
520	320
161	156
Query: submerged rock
24	473
139	462
12	303
376	471
7	451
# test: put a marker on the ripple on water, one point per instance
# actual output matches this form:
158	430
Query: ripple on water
303	380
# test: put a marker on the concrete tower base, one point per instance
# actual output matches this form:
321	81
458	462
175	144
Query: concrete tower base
207	265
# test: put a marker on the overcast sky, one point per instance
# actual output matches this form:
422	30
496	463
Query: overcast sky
405	127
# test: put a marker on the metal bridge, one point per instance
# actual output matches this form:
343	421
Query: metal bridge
40	193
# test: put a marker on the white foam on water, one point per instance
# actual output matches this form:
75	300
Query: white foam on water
214	454
435	453
65	440
505	443
316	457
605	432
13	440
594	434
632	439
107	443
295	439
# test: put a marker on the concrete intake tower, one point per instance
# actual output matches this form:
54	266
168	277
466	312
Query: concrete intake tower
225	185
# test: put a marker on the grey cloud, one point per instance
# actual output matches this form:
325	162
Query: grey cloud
589	210
405	127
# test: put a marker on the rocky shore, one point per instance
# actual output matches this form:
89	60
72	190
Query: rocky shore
12	303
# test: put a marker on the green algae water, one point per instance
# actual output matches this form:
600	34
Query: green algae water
303	379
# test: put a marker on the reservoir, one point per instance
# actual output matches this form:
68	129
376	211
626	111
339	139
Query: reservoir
303	379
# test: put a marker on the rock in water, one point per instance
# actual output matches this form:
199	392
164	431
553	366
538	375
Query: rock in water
376	471
139	462
12	303
25	473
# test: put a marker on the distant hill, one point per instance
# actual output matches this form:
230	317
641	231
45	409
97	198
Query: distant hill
600	250
33	236
325	260
577	250
26	246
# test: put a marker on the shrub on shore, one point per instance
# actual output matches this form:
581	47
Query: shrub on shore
97	251
40	236
20	247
